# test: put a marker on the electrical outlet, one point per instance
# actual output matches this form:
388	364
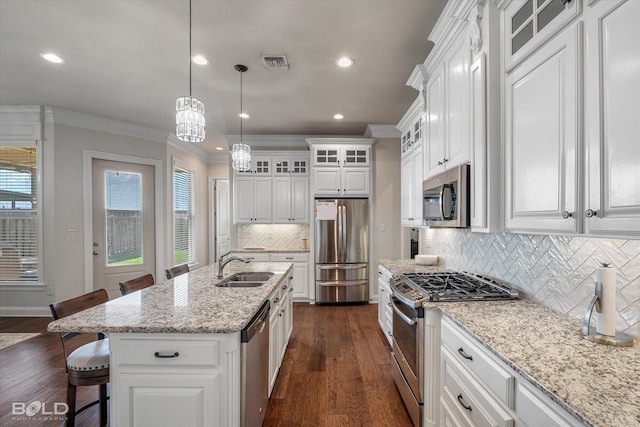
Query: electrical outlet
49	291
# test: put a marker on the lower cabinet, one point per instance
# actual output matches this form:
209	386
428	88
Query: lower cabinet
478	389
280	327
175	379
385	314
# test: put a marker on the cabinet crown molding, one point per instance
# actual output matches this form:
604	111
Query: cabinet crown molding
364	141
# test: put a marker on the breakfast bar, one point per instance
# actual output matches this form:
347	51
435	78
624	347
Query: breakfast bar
176	346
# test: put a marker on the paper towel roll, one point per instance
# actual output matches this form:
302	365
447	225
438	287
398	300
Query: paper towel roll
606	318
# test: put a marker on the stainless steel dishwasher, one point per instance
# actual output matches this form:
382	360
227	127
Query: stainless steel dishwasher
254	374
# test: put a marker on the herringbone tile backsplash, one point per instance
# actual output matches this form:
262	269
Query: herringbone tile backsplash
557	271
278	236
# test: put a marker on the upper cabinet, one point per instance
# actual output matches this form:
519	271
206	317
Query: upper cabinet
447	107
612	118
411	169
341	166
541	138
275	190
571	117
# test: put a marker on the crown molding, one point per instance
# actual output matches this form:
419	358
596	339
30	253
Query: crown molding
381	131
102	124
416	107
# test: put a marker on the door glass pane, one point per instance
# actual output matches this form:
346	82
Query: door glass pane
553	9
123	205
522	37
521	16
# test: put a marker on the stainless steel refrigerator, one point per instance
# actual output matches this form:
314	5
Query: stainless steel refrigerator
342	250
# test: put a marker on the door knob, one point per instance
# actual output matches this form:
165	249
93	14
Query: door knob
95	253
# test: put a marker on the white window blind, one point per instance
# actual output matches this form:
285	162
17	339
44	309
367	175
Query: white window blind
19	213
183	216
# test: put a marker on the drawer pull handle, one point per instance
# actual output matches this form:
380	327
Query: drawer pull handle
289	257
390	334
464	354
277	300
166	356
462	402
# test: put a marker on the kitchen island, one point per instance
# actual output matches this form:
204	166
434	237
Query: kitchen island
596	385
175	346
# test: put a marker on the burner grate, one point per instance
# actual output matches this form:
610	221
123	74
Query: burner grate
455	286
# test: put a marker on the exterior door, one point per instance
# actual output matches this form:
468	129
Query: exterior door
123	223
222	217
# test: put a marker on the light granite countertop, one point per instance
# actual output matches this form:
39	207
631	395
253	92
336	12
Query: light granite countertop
190	303
597	384
268	250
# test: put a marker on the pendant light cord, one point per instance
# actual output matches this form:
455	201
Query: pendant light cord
241	107
190	49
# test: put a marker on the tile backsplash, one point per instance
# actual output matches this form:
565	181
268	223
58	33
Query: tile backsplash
280	236
557	271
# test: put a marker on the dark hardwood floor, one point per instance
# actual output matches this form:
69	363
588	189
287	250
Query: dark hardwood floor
336	372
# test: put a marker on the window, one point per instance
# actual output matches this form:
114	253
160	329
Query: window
183	215
19	213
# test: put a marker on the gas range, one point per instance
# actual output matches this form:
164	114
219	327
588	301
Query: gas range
415	288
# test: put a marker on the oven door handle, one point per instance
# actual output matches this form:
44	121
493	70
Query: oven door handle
402	315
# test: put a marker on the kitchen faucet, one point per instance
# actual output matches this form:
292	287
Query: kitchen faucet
222	264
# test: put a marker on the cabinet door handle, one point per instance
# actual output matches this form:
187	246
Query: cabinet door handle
589	213
439	163
446	160
159	355
277	300
567	214
390	334
464	354
462	402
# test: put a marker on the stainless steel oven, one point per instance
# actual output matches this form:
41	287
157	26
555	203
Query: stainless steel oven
408	355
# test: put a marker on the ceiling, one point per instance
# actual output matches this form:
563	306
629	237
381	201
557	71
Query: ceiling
129	60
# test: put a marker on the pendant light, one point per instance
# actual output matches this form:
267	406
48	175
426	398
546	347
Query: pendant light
241	153
190	120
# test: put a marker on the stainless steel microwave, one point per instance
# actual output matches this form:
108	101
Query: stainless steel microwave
445	199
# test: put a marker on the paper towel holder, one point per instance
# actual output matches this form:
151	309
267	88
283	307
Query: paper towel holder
618	340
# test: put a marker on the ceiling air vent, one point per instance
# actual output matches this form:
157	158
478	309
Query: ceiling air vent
275	62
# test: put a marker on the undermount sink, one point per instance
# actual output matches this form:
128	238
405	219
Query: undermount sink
246	280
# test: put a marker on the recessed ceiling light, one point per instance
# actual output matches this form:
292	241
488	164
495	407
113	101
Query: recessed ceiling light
52	57
219	148
244	115
345	62
338	117
200	60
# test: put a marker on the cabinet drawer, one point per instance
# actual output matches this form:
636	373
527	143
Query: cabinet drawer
151	352
467	395
477	361
257	257
290	257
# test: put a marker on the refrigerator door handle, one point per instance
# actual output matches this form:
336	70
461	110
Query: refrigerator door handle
343	220
341	267
340	232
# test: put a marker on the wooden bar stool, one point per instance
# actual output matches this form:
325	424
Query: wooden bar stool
87	364
177	271
136	284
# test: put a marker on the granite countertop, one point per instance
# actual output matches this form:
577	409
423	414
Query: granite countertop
597	384
190	303
268	250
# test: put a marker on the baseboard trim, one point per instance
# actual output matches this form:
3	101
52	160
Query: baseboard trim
25	312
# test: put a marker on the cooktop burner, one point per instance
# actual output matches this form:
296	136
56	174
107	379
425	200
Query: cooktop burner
451	286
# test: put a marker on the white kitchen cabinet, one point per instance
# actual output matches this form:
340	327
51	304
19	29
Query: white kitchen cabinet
286	165
300	273
385	313
251	200
341	166
448	111
197	382
341	155
260	165
478	389
290	200
612	119
541	138
411	188
529	24
280	326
